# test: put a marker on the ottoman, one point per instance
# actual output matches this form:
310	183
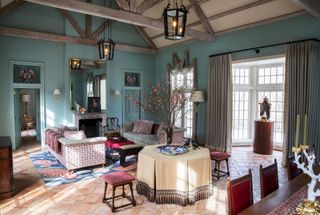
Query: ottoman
115	143
127	150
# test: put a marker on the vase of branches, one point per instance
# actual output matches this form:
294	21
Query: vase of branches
167	104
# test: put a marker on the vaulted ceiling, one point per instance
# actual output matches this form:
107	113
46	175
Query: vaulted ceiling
206	18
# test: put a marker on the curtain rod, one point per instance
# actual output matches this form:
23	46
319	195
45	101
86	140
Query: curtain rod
266	46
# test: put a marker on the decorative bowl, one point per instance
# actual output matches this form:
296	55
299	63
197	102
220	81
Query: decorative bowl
172	149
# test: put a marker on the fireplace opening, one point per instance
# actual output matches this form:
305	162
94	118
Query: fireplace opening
91	127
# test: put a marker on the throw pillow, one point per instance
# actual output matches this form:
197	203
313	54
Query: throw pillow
136	126
160	129
154	129
74	135
145	127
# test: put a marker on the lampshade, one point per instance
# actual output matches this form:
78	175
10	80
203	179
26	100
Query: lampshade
197	96
175	20
75	63
25	98
117	93
56	92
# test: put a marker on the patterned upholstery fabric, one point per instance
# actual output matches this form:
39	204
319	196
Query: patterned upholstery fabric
268	179
217	155
241	196
118	178
77	154
143	126
51	139
74	135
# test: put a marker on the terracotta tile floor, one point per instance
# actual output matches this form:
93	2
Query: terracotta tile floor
33	197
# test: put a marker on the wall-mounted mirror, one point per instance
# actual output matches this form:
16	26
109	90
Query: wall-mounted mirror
87	80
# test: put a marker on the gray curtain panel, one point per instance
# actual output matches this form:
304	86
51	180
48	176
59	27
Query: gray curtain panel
219	109
302	94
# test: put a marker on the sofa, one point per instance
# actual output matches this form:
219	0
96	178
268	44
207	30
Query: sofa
75	153
155	136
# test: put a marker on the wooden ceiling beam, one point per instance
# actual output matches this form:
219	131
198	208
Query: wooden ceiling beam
102	27
145	5
225	13
202	16
146	37
123	4
121	16
72	22
88	23
312	6
9	8
14	32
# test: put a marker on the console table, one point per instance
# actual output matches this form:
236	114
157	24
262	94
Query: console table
6	168
182	179
263	137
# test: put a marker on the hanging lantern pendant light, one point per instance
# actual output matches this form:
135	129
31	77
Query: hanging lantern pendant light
175	20
106	47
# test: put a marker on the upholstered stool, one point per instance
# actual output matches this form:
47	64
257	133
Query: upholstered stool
117	179
218	157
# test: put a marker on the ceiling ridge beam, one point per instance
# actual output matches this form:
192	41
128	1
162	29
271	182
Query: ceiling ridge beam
312	6
9	8
15	32
202	16
225	13
118	15
72	22
147	4
88	23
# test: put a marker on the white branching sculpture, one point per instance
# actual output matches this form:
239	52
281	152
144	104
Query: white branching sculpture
307	169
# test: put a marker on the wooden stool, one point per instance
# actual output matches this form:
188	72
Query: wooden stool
218	157
117	179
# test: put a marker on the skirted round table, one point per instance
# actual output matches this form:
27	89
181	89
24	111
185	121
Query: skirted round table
182	179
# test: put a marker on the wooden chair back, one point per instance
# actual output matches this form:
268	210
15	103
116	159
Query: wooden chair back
240	195
269	181
292	168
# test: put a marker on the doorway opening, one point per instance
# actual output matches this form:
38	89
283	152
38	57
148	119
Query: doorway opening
27	117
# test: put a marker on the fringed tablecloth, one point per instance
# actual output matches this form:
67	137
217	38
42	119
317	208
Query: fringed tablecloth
181	179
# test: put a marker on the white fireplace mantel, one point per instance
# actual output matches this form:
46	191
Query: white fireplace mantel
97	115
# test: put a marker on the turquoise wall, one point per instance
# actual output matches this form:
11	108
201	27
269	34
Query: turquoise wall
297	28
55	57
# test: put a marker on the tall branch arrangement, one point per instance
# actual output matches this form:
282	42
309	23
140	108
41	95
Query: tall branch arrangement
168	105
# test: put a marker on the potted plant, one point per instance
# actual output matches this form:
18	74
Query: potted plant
165	103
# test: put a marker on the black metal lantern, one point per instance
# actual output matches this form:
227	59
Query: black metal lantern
75	63
175	20
106	49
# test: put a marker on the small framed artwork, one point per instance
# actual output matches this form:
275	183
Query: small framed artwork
94	104
132	79
26	74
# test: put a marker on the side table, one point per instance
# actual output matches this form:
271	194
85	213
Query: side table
263	137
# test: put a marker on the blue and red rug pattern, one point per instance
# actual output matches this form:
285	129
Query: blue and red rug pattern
54	173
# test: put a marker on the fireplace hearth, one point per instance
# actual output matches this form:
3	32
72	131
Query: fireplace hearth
90	123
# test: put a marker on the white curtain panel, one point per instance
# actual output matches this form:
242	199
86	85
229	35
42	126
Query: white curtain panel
302	94
219	109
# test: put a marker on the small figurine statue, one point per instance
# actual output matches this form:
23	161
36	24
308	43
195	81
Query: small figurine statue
77	106
265	107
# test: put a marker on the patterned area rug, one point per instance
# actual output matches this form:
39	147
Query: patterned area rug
54	173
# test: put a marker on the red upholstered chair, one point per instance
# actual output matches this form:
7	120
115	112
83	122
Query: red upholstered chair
117	179
218	156
240	195
292	168
269	181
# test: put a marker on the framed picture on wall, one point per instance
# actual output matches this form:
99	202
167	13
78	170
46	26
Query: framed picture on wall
94	104
26	74
132	79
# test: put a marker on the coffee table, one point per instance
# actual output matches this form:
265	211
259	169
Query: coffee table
114	144
127	150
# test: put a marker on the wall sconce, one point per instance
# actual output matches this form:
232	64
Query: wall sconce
56	93
116	94
75	63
